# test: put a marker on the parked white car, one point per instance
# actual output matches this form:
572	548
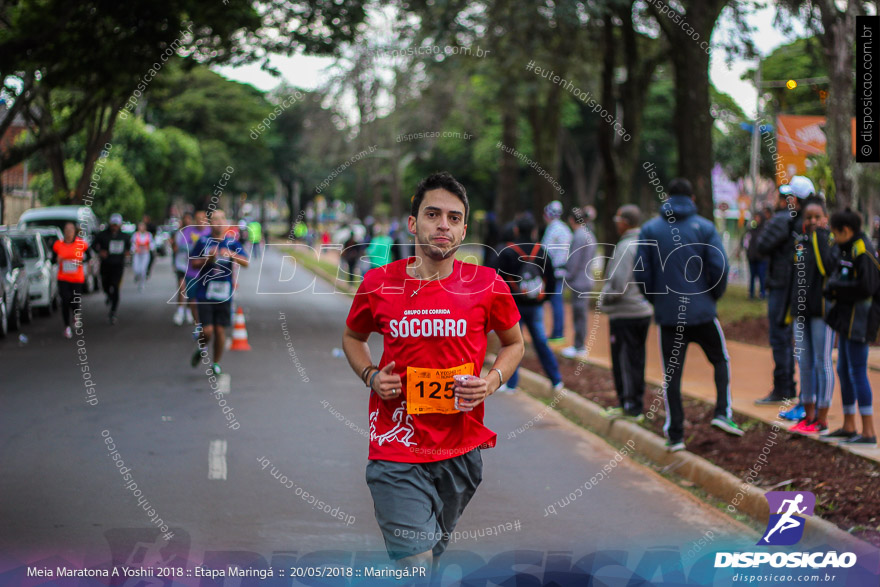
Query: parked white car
32	247
88	227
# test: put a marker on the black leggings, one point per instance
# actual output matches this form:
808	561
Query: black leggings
111	278
71	298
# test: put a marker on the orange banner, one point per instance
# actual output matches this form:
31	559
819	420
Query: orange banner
798	137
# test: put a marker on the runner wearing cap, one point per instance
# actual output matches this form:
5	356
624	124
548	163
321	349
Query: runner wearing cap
434	314
113	246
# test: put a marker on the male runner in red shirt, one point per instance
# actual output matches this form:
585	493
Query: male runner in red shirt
426	431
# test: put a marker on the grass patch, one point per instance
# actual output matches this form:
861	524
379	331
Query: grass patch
735	305
310	262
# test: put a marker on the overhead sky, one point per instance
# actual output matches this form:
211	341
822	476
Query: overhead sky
310	72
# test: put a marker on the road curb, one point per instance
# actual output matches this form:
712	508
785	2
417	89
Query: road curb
711	478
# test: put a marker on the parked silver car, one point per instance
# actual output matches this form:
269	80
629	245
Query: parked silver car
87	225
42	273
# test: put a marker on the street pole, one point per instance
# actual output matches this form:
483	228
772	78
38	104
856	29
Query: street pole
756	151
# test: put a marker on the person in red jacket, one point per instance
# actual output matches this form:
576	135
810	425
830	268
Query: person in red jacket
71	252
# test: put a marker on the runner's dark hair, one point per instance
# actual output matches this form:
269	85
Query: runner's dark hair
442	180
846	217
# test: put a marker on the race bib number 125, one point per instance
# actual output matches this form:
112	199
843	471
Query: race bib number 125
429	391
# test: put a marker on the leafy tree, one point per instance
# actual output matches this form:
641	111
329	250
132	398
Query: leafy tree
117	189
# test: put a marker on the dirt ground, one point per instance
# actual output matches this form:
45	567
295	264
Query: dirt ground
846	486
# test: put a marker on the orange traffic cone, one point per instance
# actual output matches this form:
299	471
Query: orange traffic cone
239	333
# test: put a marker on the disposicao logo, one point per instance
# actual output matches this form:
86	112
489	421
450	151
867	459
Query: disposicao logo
786	526
788	512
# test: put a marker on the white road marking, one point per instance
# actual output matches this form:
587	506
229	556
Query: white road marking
224	383
217	459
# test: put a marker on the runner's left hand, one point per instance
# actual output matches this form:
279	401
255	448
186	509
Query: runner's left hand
473	392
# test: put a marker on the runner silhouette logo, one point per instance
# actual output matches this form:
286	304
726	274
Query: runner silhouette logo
788	516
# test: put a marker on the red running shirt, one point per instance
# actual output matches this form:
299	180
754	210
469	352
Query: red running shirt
70	260
431	325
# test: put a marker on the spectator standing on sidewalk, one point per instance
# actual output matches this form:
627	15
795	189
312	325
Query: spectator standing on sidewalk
854	292
777	242
526	267
629	317
557	240
757	261
815	258
684	293
579	277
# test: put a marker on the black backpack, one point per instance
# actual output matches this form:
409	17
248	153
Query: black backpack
531	278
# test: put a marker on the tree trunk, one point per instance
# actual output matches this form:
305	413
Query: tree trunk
610	200
544	121
693	122
98	134
838	42
506	198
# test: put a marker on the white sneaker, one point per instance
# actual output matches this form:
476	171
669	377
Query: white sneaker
68	333
189	316
504	389
571	352
178	317
559	386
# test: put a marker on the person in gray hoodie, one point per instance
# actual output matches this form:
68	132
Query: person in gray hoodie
629	317
579	279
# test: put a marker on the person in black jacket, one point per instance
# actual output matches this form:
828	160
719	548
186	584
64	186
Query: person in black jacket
113	246
815	258
757	261
854	292
527	268
776	242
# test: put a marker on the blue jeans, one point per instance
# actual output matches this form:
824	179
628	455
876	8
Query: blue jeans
757	270
782	344
558	307
814	341
531	318
852	367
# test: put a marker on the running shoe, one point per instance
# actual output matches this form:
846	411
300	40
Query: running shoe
800	427
189	316
796	413
194	360
616	412
216	368
178	317
773	398
559	386
634	417
571	352
859	440
728	425
674	445
68	333
816	427
560	340
839	434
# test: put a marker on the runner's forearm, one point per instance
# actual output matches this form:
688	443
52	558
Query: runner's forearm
357	352
507	361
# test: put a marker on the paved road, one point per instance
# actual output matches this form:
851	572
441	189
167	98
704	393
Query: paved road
305	415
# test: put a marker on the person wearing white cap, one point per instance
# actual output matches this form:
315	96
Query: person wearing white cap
113	246
557	240
776	243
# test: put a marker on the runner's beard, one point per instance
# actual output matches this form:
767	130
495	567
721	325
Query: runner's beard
434	252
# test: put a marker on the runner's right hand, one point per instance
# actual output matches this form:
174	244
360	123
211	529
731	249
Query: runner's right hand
387	383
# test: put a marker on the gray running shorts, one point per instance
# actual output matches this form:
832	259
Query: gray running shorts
418	504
